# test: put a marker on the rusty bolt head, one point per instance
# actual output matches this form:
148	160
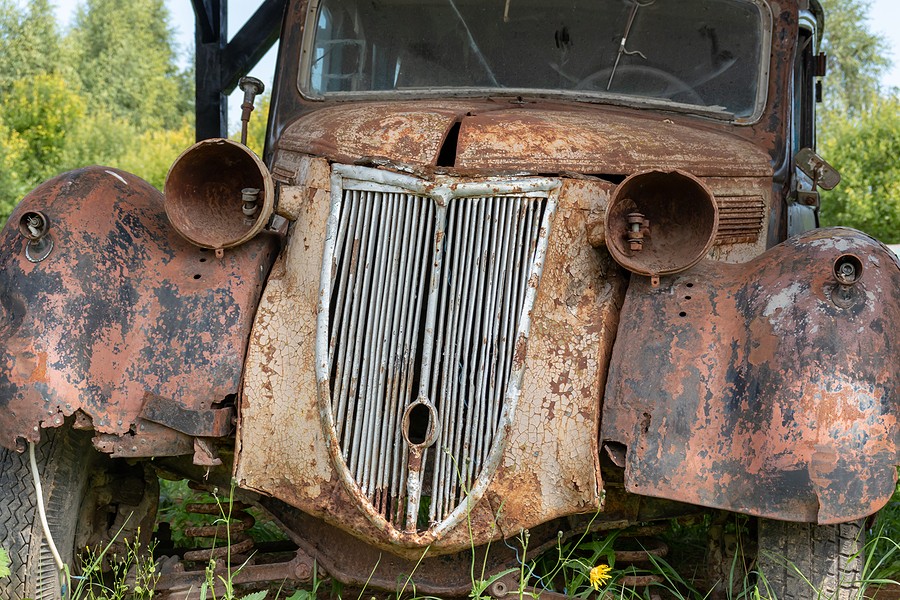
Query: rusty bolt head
635	220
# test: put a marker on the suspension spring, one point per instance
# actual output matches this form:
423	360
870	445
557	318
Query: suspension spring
642	557
228	534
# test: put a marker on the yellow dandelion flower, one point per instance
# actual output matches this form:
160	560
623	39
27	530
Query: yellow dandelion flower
599	576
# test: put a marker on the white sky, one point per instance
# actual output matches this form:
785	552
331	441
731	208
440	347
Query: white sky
884	19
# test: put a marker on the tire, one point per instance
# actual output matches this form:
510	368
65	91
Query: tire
63	470
803	561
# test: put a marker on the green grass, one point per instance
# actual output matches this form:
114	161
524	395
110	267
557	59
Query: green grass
564	569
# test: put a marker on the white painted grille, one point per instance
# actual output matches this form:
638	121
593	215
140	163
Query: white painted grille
425	300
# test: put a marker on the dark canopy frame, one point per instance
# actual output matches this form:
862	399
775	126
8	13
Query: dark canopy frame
221	63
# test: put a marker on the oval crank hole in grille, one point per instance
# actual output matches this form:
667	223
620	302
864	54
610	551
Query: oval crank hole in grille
418	424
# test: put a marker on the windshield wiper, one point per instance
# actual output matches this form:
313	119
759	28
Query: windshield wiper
622	49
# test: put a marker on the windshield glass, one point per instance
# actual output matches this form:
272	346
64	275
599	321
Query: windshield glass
707	53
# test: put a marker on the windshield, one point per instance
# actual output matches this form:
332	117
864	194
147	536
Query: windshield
706	53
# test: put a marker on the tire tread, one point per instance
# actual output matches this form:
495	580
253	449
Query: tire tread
803	561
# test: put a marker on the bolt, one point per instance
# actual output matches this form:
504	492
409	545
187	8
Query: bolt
249	197
847	271
251	86
34	225
635	235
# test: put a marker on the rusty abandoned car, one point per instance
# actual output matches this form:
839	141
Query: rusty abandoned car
505	266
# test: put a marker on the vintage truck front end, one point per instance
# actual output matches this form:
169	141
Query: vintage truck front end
430	345
537	261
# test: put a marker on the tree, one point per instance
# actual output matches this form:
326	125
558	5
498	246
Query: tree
857	57
12	150
43	113
123	55
865	150
154	152
109	93
859	130
29	42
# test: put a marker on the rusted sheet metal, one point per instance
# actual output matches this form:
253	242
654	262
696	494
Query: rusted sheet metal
765	388
548	466
211	422
743	217
122	306
556	139
551	466
148	439
538	137
405	132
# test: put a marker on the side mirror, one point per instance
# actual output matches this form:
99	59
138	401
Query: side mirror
814	166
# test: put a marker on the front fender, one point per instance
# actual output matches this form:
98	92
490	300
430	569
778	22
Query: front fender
755	388
122	309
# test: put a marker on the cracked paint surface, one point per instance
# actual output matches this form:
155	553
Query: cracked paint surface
548	467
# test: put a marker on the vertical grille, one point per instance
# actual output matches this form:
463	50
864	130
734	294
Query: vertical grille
491	247
378	301
386	245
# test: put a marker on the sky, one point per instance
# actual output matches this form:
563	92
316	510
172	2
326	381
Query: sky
883	19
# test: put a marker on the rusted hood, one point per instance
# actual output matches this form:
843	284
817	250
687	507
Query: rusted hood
532	136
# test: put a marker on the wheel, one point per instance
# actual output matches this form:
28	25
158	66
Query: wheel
805	560
63	472
90	500
642	80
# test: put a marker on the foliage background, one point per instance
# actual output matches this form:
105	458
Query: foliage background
106	91
859	125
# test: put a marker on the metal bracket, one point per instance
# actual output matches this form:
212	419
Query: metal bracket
815	167
209	423
176	582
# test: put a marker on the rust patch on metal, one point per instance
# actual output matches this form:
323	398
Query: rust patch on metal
749	388
191	420
404	132
123	306
148	440
552	138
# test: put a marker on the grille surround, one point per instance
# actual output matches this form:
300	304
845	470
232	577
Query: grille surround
442	202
